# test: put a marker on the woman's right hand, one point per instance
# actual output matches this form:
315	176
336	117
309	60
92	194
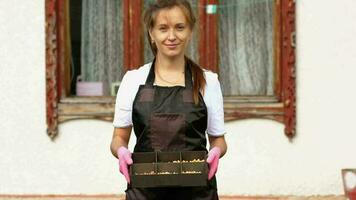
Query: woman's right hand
125	160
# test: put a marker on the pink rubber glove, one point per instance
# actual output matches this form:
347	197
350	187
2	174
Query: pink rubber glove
213	161
125	160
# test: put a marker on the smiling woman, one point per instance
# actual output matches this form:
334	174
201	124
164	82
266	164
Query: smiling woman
171	32
192	48
167	117
170	35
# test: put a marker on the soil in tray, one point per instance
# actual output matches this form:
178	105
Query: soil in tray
158	169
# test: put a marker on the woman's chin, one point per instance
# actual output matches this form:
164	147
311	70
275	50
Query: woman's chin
173	54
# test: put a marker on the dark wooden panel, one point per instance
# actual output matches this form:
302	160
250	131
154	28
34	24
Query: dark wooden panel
133	38
208	45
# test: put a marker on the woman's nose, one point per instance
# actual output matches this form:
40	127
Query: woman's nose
171	36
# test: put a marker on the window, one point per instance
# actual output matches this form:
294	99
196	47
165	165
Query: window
251	44
245	37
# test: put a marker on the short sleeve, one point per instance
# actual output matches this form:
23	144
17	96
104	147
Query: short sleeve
215	106
123	105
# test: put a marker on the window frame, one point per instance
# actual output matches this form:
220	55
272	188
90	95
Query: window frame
282	106
60	107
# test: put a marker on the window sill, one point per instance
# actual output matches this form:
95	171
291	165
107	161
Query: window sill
236	108
102	108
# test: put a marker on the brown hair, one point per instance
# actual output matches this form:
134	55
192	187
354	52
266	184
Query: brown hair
149	17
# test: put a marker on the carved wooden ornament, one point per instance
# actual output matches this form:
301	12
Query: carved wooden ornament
51	68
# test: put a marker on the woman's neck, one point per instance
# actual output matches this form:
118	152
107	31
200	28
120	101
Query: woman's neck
170	65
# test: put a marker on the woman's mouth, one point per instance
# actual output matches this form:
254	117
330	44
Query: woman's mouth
172	46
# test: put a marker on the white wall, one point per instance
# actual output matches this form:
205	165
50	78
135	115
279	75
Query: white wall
260	160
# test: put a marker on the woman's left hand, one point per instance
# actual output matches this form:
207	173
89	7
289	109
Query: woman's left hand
213	161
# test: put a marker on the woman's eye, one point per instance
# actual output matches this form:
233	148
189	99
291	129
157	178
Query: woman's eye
180	27
162	29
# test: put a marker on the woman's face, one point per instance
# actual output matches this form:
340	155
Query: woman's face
171	32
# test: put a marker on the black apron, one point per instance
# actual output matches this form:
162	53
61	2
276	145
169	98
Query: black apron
166	119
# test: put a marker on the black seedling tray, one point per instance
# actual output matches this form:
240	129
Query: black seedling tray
165	169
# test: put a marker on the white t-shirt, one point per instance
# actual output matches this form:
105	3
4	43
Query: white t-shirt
133	78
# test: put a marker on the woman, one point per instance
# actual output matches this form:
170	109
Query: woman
171	103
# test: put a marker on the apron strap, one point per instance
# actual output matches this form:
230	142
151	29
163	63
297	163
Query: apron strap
188	74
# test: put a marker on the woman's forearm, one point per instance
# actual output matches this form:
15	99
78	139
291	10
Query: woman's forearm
218	142
120	138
